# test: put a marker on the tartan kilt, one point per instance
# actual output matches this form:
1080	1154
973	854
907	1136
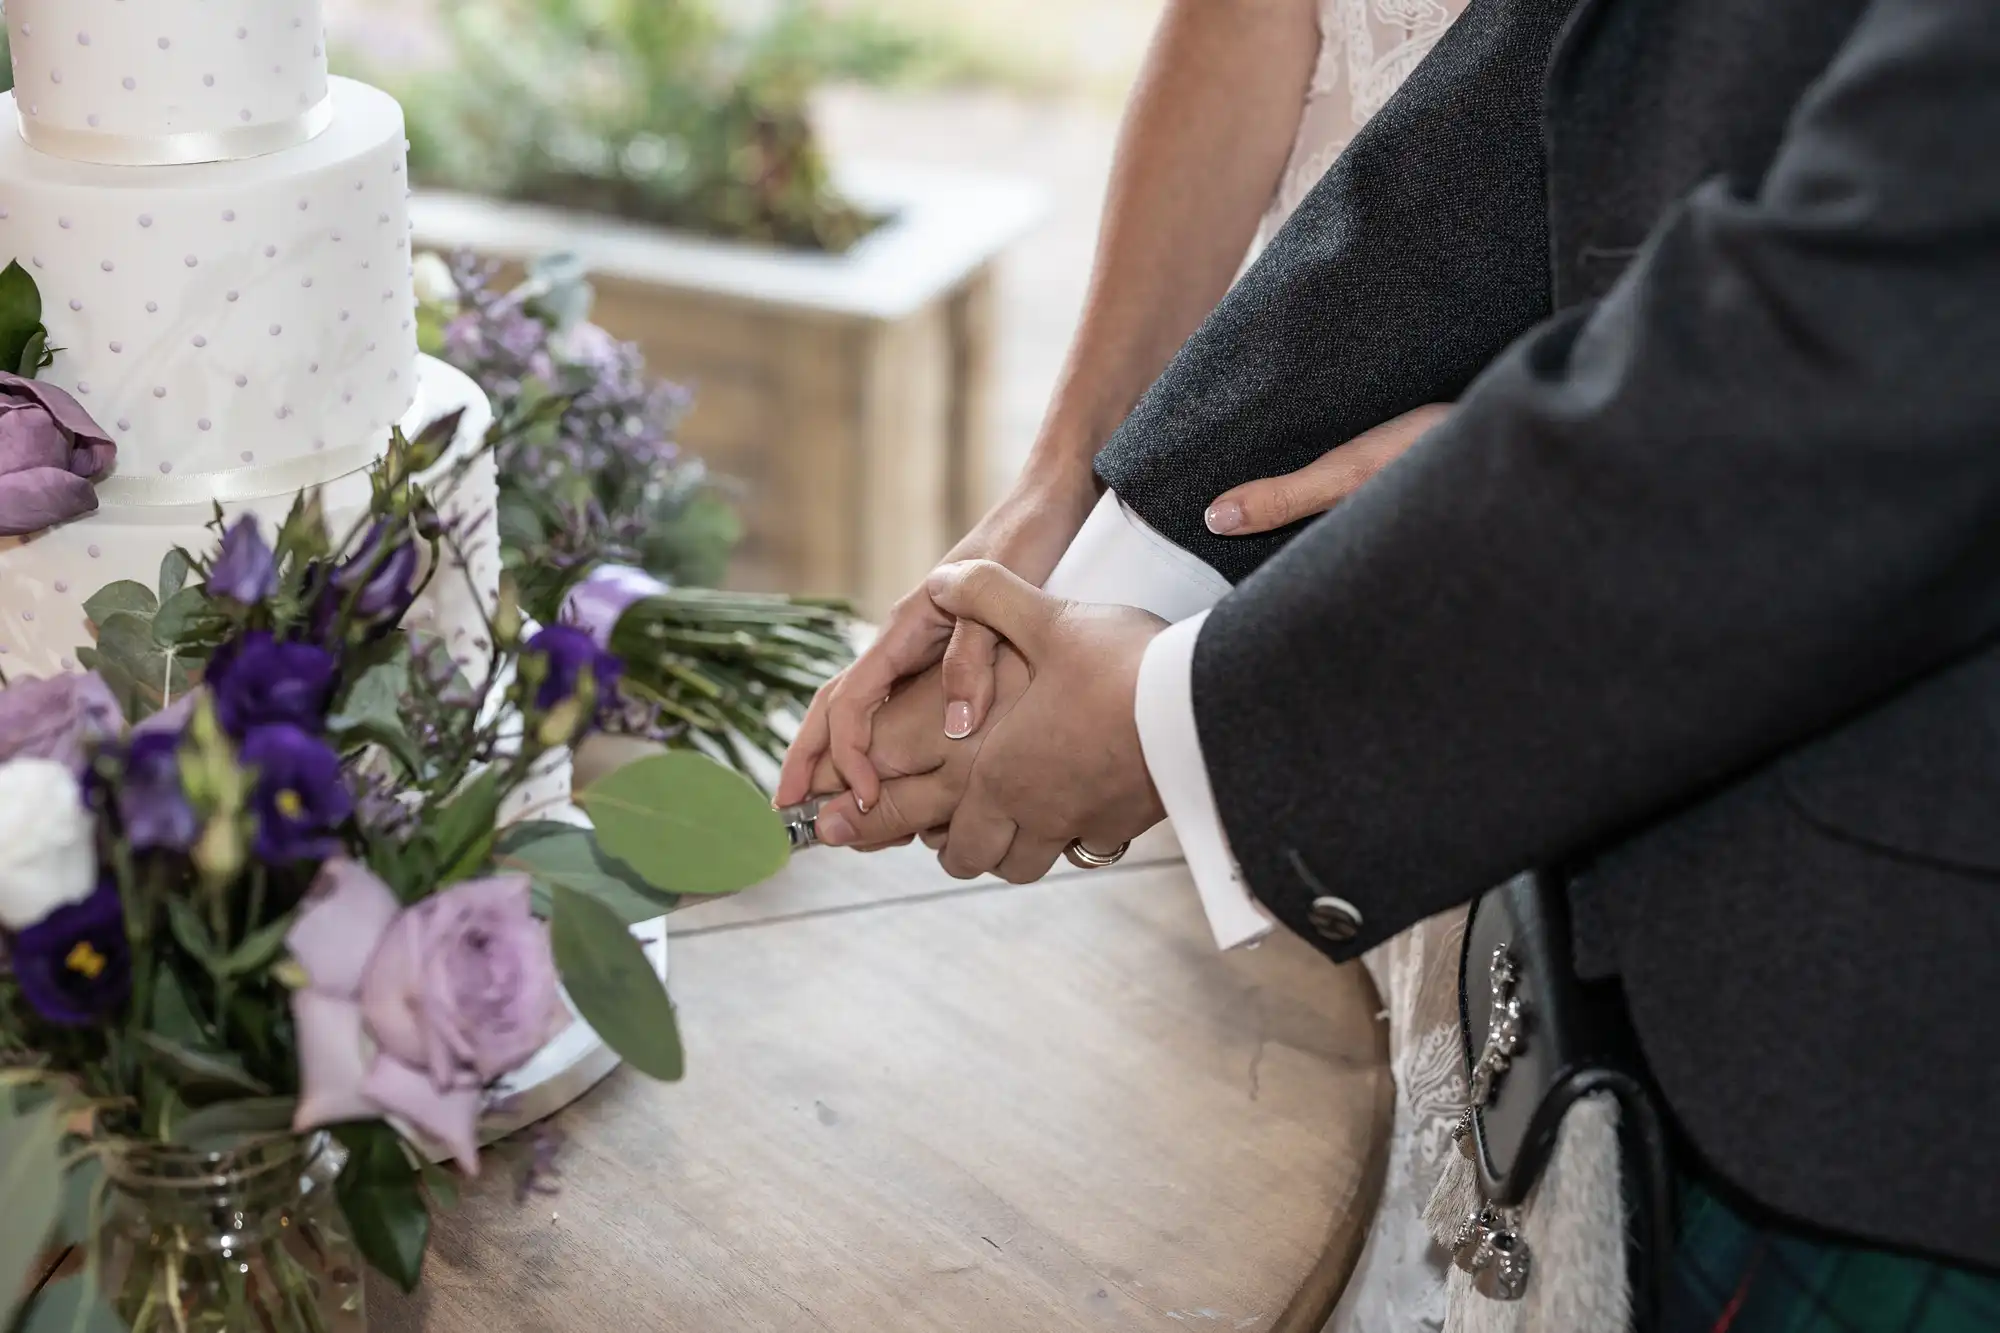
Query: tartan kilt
1729	1274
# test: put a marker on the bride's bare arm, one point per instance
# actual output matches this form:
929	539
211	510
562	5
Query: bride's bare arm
1206	136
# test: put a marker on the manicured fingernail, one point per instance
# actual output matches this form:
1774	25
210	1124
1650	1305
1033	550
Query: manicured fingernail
1224	517
861	805
834	830
958	719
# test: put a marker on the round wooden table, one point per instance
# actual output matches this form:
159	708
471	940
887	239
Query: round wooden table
918	1105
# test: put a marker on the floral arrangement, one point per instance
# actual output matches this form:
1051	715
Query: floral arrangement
590	476
258	885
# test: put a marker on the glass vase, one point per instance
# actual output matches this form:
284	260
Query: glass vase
246	1241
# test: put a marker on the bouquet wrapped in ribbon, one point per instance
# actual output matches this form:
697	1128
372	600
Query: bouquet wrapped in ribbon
264	926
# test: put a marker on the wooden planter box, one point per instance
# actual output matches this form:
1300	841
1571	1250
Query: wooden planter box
850	396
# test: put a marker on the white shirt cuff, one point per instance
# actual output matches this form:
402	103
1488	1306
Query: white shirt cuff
1120	559
1172	745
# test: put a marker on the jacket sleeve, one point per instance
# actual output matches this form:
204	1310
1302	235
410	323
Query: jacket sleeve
1753	490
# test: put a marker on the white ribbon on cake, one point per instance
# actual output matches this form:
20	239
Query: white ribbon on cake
243	484
175	150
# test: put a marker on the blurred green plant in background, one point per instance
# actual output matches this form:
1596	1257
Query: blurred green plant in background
671	112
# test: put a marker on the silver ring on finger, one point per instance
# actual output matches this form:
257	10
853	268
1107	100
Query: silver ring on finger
1083	858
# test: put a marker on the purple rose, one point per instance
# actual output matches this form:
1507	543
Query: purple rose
605	594
244	571
59	718
411	1012
258	680
299	798
50	451
152	805
569	654
75	964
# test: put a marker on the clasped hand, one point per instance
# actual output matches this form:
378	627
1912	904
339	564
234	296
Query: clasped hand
1056	759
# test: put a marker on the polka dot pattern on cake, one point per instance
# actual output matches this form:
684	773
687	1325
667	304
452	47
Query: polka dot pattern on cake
108	68
194	341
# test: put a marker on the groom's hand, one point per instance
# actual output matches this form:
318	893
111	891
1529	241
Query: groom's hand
1062	762
907	743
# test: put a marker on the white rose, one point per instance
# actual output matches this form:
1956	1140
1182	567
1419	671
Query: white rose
433	281
48	858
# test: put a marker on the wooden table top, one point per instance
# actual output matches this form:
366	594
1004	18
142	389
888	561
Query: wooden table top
919	1105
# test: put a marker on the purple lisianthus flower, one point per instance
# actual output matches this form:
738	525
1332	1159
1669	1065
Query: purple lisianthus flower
300	797
381	582
411	1011
258	680
244	571
152	805
570	653
50	451
59	718
605	594
75	965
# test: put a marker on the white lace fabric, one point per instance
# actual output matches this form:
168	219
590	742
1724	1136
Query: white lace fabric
1367	49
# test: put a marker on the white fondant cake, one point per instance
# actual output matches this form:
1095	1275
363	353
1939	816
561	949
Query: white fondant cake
97	75
217	317
221	238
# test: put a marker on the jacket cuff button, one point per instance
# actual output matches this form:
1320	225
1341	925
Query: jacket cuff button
1336	919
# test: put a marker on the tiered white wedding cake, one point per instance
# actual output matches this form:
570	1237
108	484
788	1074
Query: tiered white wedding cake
220	234
221	237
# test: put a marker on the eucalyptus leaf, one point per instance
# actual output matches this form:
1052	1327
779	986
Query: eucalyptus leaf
201	1077
174	570
687	825
370	711
31	1185
550	854
20	313
384	1208
73	1305
143	674
185	617
124	595
613	985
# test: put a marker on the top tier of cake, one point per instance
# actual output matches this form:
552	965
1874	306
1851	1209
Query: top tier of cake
154	82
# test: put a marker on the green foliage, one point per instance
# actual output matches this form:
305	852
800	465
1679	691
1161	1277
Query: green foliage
31	1183
24	340
553	854
722	664
613	985
687	825
663	111
379	1196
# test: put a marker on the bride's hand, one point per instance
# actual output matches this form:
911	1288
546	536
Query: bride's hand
1263	506
907	742
1027	532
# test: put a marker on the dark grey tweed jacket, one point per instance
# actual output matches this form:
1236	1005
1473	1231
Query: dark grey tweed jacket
1698	590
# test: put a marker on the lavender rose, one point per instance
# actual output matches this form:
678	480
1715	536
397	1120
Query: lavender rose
411	1012
50	451
59	718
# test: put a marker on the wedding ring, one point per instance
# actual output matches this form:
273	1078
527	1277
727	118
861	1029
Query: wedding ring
1083	858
